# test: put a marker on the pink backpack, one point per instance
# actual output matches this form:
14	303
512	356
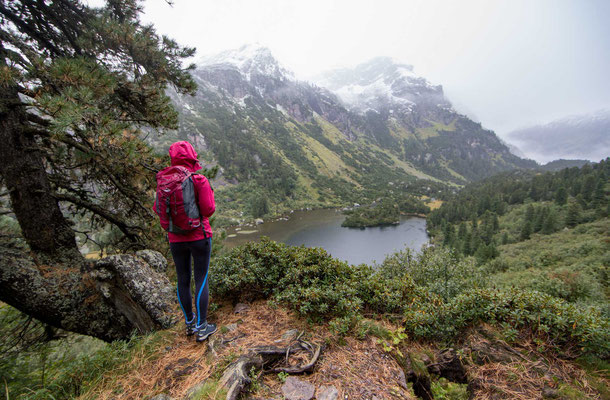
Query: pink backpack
176	202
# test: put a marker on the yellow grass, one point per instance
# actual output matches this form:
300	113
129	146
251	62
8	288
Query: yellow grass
435	204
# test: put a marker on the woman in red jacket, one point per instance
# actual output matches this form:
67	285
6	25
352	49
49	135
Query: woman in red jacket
195	244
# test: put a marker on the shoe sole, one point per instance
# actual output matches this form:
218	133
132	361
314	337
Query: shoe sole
202	338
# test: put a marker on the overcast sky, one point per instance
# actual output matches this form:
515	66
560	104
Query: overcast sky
506	63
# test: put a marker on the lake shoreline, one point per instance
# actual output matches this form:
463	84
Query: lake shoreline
322	228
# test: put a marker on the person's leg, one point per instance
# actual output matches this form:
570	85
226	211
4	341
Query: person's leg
181	254
201	250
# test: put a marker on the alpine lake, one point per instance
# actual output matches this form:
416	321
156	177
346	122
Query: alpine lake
322	228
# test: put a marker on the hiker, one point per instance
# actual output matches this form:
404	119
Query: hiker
184	202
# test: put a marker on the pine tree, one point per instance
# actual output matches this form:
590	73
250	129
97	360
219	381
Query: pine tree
548	225
561	197
448	234
599	196
505	238
474	221
462	231
573	214
467	244
493	250
576	188
77	83
588	188
526	230
538	220
530	213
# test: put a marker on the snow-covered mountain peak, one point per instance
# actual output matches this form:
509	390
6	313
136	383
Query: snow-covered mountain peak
381	81
249	59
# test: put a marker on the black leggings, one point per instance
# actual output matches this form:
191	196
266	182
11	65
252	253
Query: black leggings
200	251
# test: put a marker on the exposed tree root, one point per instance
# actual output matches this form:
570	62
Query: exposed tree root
236	378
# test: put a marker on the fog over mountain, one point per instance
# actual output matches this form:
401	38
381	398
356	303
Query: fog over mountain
360	127
510	63
584	136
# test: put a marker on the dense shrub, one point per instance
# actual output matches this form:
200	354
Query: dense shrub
307	280
437	295
560	322
571	264
438	270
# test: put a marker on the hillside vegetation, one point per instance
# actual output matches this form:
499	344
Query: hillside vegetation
409	306
298	145
541	292
511	207
545	232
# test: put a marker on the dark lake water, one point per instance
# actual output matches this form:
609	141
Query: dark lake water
322	228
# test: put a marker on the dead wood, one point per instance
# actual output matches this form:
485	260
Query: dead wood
236	378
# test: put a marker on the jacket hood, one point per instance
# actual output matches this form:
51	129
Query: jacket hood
183	153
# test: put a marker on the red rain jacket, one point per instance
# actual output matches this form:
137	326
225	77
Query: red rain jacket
182	153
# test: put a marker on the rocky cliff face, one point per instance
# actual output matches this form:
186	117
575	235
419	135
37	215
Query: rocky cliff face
378	121
383	84
433	136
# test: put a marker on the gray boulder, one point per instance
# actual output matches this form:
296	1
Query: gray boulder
296	389
154	259
327	393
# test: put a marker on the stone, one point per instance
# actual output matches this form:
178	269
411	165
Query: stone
241	308
296	389
402	379
231	327
148	290
327	393
492	351
258	221
448	365
154	259
192	392
290	334
162	396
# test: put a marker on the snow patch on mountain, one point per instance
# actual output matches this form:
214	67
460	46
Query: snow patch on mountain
381	81
250	59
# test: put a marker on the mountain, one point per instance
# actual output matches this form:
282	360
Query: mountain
585	136
558	165
420	120
282	139
382	83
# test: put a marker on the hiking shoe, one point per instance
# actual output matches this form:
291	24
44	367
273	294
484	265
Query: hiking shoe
191	327
204	332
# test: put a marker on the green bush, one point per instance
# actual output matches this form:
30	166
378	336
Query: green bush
438	270
437	295
584	329
307	280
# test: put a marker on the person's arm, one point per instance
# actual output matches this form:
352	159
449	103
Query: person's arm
205	196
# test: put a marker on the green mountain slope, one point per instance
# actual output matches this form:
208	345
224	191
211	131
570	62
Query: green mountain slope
531	230
296	144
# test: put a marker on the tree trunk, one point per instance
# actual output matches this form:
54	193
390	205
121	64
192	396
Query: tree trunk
21	164
109	299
